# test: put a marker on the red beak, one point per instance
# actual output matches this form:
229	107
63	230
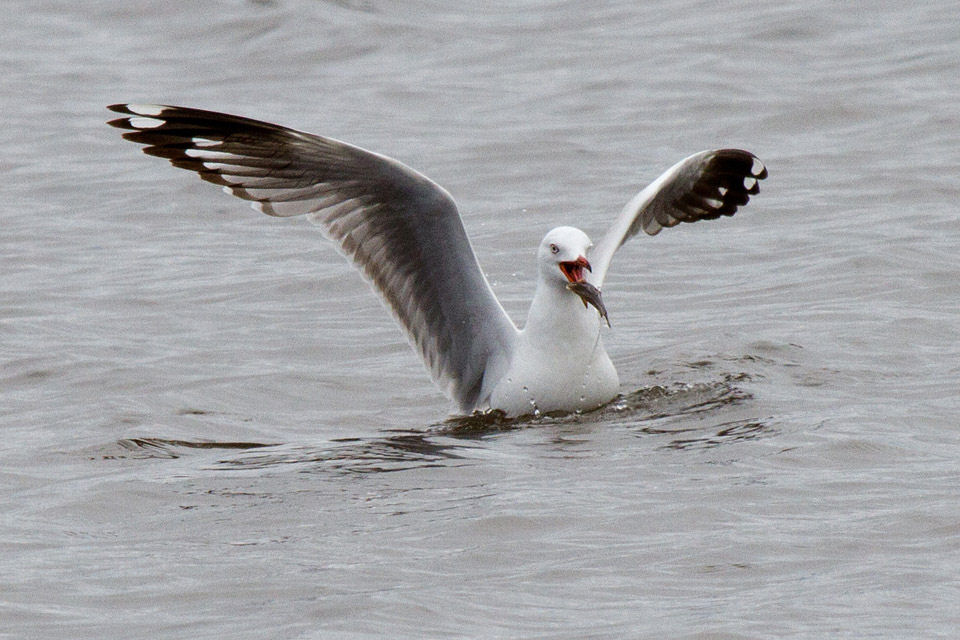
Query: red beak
573	271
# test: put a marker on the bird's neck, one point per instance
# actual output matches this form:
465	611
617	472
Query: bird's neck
558	315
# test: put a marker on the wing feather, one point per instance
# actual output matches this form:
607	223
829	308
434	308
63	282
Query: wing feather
400	229
704	186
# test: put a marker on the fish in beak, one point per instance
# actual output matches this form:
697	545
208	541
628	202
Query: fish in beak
573	271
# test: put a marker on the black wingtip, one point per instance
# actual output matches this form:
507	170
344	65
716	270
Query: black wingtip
726	181
120	123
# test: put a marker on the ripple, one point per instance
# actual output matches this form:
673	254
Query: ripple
653	410
147	448
726	433
681	399
402	451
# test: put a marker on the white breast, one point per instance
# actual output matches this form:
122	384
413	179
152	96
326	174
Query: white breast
559	363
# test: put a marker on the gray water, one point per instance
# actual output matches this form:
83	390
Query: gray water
212	429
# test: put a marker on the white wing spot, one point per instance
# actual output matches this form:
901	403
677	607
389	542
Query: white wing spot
204	142
749	183
146	109
207	154
723	191
146	123
757	167
713	202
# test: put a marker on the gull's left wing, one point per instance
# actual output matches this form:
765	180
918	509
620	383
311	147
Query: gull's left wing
704	186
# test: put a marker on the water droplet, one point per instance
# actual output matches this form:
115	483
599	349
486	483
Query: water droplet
532	401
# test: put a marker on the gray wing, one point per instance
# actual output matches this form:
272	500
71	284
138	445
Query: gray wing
401	230
704	186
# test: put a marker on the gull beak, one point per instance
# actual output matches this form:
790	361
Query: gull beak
573	269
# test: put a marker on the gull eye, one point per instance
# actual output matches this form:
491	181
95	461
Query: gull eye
554	248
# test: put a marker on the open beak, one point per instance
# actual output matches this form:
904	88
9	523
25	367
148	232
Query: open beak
573	270
588	293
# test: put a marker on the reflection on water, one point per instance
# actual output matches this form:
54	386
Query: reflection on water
682	399
682	410
671	411
398	452
172	449
727	433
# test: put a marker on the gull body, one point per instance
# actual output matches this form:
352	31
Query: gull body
559	362
404	234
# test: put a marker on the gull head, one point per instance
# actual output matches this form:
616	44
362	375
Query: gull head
562	261
562	257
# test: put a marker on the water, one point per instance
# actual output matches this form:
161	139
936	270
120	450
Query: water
212	429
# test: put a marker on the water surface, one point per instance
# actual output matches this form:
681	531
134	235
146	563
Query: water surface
212	429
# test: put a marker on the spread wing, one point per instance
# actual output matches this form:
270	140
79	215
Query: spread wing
704	186
400	229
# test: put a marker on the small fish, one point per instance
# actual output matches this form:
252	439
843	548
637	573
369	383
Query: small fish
589	293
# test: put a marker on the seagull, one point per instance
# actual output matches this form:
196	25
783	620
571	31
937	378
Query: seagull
403	232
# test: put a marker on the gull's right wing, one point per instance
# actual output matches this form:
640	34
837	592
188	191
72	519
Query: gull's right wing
400	229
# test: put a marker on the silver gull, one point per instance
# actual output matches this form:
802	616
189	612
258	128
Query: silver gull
405	235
